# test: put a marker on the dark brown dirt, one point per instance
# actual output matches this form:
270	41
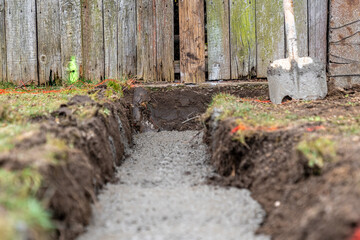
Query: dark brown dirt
311	207
299	205
180	107
74	172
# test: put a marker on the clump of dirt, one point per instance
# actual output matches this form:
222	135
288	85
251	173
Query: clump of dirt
76	151
300	204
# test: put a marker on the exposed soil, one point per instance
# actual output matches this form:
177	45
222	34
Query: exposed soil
73	175
299	204
180	107
79	146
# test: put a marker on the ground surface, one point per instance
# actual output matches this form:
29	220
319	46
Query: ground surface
161	195
299	159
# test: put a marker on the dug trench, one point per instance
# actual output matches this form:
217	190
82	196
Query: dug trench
81	147
78	148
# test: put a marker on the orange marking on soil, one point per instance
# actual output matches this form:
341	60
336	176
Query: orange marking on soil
242	127
316	128
254	100
356	235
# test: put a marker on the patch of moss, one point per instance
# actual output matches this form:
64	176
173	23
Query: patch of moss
317	151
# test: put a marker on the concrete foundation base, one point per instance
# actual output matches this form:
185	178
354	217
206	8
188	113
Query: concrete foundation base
302	79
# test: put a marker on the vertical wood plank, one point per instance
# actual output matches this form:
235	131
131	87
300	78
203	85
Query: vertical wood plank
165	40
243	38
21	41
218	39
318	27
270	34
49	43
192	41
2	42
111	38
71	44
344	38
146	40
127	38
93	39
301	21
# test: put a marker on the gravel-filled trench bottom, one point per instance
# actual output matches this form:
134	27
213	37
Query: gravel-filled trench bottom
161	194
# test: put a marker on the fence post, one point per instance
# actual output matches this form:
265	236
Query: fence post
270	34
165	40
49	44
71	43
20	21
218	35
146	40
2	42
318	27
111	38
243	38
93	39
127	38
192	41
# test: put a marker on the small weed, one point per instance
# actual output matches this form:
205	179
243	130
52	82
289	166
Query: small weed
317	151
106	111
73	71
315	119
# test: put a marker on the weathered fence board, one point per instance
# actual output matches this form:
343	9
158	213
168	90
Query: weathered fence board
71	43
344	48
318	22
21	41
218	39
270	34
165	40
111	38
146	40
49	44
192	41
2	42
301	19
93	39
127	34
116	38
243	38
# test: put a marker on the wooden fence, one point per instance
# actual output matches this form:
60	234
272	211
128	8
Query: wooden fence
113	38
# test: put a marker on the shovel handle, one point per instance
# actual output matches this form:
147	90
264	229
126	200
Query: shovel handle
290	29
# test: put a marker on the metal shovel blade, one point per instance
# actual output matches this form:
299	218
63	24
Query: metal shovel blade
299	78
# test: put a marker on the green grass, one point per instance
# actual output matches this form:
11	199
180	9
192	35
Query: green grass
249	114
11	133
21	107
19	206
317	151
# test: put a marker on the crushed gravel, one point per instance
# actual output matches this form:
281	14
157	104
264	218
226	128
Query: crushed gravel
161	195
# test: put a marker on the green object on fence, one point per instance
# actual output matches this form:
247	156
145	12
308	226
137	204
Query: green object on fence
73	70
